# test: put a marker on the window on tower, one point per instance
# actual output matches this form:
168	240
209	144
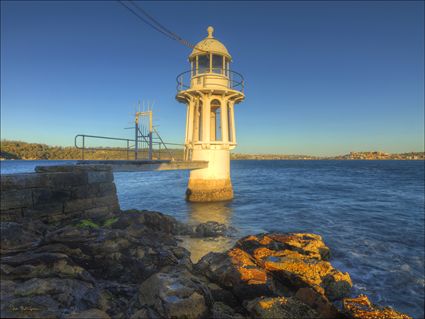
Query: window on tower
215	124
203	63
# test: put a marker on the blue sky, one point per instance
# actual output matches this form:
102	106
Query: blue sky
321	78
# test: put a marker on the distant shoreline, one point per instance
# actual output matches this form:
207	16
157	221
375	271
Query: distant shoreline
18	150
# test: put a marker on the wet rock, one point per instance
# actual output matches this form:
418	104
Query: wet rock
213	229
361	308
280	307
16	237
175	293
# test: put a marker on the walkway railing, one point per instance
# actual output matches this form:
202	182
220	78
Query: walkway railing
126	148
235	80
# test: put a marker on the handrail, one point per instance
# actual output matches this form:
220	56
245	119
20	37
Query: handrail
97	136
126	148
233	84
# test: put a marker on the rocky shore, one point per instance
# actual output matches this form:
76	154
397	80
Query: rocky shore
68	251
130	264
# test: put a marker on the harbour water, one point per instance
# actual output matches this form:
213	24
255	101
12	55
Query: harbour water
370	213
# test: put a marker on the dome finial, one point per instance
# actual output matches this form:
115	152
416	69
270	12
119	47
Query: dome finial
210	31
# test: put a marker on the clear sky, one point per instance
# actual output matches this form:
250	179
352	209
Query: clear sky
322	78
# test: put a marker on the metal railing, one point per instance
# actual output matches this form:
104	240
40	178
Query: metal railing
235	80
160	149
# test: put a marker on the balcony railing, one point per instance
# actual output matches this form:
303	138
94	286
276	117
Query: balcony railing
235	80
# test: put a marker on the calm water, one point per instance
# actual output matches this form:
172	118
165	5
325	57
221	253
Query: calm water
370	213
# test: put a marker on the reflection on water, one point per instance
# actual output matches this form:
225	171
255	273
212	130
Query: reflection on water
220	212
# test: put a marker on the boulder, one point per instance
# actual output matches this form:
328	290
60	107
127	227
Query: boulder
237	271
213	229
298	260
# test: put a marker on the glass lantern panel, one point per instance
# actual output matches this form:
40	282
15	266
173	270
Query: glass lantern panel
217	63
193	67
203	63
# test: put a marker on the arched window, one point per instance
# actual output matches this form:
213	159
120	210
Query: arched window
215	124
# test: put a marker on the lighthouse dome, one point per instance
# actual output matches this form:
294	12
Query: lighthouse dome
210	44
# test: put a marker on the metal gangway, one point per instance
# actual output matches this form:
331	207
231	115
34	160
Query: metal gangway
146	152
146	145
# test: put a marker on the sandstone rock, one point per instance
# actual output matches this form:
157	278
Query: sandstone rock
361	308
175	293
280	307
237	271
297	259
309	245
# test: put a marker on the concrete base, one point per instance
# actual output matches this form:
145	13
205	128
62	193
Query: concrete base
209	190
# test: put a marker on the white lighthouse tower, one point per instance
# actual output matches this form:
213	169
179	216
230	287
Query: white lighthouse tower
210	90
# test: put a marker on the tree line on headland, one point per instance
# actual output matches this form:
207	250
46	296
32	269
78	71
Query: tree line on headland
35	151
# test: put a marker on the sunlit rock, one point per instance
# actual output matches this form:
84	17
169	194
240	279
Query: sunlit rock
361	308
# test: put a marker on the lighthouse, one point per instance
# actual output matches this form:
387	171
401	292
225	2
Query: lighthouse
210	91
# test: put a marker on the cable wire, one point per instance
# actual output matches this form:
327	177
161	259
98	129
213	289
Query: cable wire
155	24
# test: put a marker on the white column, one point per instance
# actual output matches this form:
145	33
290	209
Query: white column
224	122
186	137
232	113
190	120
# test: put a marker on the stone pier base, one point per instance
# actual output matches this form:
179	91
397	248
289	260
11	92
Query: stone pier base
204	190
